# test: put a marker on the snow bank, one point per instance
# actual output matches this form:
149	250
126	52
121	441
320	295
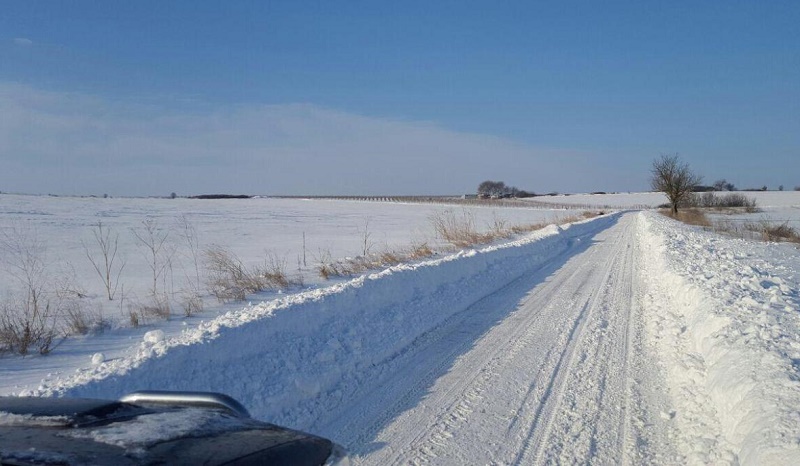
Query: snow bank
724	316
291	359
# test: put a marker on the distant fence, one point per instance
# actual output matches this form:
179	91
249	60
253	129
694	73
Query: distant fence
525	203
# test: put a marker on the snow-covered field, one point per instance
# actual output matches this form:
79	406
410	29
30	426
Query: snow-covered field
297	233
774	208
628	338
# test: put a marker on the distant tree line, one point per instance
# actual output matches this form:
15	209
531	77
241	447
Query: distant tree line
498	189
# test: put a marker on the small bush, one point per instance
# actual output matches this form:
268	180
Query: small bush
458	230
230	280
272	273
25	326
76	321
159	307
420	251
192	303
134	317
775	232
690	216
712	200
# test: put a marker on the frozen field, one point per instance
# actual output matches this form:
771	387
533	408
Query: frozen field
299	234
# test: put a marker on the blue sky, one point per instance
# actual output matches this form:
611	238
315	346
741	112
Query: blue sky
297	97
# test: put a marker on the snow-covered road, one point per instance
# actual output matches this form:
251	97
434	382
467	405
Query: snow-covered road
548	368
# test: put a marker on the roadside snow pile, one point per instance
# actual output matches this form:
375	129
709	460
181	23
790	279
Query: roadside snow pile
293	359
724	316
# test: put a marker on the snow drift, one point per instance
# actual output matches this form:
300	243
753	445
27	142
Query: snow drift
723	316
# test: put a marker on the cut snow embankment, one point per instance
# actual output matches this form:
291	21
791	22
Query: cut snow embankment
724	315
293	359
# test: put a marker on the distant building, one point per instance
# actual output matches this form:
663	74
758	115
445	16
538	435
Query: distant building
469	196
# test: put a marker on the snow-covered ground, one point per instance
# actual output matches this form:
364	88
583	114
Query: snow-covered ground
723	315
299	233
629	338
774	208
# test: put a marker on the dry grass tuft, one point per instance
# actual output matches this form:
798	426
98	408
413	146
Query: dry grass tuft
420	251
355	265
775	232
230	280
690	217
458	230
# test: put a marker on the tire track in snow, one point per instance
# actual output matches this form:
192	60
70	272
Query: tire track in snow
551	382
427	358
570	380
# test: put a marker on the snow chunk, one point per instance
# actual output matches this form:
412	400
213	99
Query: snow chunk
154	336
98	358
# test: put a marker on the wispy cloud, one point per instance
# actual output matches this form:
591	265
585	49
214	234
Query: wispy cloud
23	41
77	143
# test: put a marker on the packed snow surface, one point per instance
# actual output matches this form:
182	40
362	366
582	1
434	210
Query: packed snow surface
628	338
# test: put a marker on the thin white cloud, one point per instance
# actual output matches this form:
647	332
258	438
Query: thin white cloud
23	41
82	144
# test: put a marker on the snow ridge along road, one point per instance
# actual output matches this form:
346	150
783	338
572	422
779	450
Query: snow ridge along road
558	378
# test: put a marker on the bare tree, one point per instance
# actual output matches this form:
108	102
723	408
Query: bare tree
492	188
723	185
157	251
105	266
673	178
365	237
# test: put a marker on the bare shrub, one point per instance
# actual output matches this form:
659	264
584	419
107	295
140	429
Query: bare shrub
76	321
191	299
458	230
230	280
775	232
712	200
498	226
134	318
690	216
191	304
26	325
189	233
27	320
157	251
272	273
365	239
158	307
420	251
324	268
108	245
389	258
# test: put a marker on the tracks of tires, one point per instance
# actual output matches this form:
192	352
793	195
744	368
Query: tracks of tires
550	381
